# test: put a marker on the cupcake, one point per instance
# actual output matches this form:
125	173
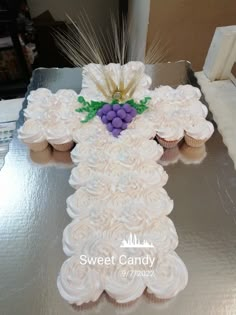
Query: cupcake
41	95
188	92
34	111
198	131
32	134
59	136
169	133
193	108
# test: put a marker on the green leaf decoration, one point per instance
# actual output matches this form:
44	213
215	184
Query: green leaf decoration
115	102
92	107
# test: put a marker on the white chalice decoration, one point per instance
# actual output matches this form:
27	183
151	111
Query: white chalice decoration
116	93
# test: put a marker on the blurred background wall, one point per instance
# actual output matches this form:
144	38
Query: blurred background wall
97	10
186	27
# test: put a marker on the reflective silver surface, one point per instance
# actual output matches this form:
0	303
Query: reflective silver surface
33	217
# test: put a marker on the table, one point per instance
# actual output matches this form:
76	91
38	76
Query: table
33	217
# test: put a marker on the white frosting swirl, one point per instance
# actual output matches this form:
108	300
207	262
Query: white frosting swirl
162	233
122	285
199	128
140	128
153	204
101	247
188	92
75	233
80	176
92	131
81	203
78	283
170	277
34	111
75	154
193	108
159	199
40	96
67	96
58	133
170	130
32	132
149	150
164	93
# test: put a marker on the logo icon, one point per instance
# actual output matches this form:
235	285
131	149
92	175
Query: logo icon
134	242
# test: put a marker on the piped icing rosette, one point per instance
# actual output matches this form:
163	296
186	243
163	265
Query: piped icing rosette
32	133
154	201
169	274
79	283
57	115
174	107
91	132
139	128
130	154
78	238
169	133
188	92
59	136
120	187
159	231
169	278
152	174
198	131
123	285
42	101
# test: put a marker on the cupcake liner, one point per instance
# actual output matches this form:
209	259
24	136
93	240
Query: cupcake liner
64	146
37	147
42	157
168	144
195	143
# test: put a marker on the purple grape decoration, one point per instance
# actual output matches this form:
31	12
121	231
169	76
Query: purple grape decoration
110	115
127	108
110	127
116	107
116	117
124	126
104	119
121	113
128	118
106	108
133	112
99	112
116	132
117	122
